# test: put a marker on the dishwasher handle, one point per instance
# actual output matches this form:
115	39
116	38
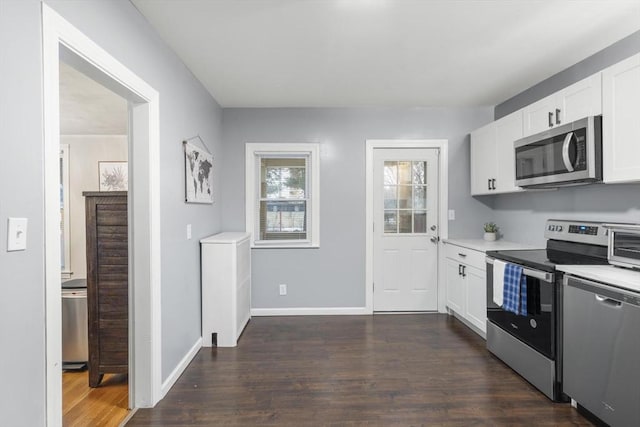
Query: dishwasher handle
608	301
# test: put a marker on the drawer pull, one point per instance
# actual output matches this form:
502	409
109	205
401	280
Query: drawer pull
462	255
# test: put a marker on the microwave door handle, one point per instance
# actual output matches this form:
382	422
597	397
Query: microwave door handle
565	152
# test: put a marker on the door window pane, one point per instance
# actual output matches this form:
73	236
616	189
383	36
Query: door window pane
419	172
419	197
420	221
404	222
390	173
390	196
390	222
404	197
404	172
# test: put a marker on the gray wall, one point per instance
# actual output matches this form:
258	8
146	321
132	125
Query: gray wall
186	109
615	53
521	216
334	274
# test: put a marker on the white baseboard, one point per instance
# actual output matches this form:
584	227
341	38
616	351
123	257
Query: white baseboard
173	377
311	311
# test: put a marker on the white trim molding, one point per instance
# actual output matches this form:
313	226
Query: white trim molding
253	151
443	202
310	311
60	38
184	363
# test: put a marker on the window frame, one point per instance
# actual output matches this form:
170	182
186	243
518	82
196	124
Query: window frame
254	152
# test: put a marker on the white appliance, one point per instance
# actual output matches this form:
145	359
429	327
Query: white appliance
565	155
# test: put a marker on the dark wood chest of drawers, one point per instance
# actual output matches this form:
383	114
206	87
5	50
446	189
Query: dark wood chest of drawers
107	283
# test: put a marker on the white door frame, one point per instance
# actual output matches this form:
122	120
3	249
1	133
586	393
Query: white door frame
443	202
61	38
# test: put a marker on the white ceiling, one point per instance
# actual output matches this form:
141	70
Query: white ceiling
297	53
87	107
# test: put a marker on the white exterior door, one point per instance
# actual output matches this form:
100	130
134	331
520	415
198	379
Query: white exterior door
405	243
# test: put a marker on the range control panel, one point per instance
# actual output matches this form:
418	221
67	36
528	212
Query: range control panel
576	231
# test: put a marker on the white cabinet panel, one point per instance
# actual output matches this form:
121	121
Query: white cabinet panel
492	156
455	287
621	121
476	303
580	100
226	287
466	285
483	159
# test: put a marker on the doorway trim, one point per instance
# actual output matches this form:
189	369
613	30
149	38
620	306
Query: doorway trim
443	201
60	37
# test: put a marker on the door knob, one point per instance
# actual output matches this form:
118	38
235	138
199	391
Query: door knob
433	228
434	239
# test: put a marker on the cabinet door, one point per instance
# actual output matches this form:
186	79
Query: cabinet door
508	129
455	287
483	159
580	100
536	115
621	121
476	303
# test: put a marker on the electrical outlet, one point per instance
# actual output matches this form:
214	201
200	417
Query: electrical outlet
188	231
452	215
283	290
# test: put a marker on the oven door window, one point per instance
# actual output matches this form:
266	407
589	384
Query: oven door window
626	245
537	328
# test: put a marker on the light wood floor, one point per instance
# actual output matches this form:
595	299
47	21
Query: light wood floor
391	370
102	406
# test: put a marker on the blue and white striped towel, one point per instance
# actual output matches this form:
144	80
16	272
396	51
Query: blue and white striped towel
515	290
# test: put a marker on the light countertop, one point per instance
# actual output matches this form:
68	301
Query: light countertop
483	246
607	274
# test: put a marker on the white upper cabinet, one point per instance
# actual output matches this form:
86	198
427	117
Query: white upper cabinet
574	102
492	156
621	121
483	159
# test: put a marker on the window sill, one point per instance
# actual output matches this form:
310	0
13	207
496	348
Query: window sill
284	246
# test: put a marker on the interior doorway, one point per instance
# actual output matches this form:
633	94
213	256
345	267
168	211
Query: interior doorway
62	41
93	160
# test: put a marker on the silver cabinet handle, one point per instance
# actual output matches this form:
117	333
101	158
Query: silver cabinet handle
550	119
493	184
462	255
565	152
489	184
608	301
558	116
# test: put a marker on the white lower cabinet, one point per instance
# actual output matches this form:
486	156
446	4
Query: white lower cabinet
466	285
226	288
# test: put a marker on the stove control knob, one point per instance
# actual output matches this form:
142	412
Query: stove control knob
551	228
559	228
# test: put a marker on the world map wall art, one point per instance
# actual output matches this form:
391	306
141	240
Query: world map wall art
198	174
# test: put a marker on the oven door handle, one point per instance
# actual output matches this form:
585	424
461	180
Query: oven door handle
541	275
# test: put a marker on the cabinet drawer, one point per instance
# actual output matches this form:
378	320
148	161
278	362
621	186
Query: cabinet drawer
466	256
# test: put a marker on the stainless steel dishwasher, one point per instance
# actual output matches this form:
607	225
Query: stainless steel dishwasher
602	350
75	336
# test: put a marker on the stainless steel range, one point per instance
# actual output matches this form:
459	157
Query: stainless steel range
531	343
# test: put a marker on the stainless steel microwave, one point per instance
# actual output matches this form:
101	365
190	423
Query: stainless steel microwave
624	245
565	155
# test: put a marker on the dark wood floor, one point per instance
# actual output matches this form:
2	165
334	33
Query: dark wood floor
354	370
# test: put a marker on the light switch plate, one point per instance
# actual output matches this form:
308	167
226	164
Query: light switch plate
17	234
188	231
452	215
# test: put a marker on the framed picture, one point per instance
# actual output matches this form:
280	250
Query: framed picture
113	176
198	165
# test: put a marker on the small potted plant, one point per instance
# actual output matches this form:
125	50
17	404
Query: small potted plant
490	231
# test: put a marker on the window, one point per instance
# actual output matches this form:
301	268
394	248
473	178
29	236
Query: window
282	194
